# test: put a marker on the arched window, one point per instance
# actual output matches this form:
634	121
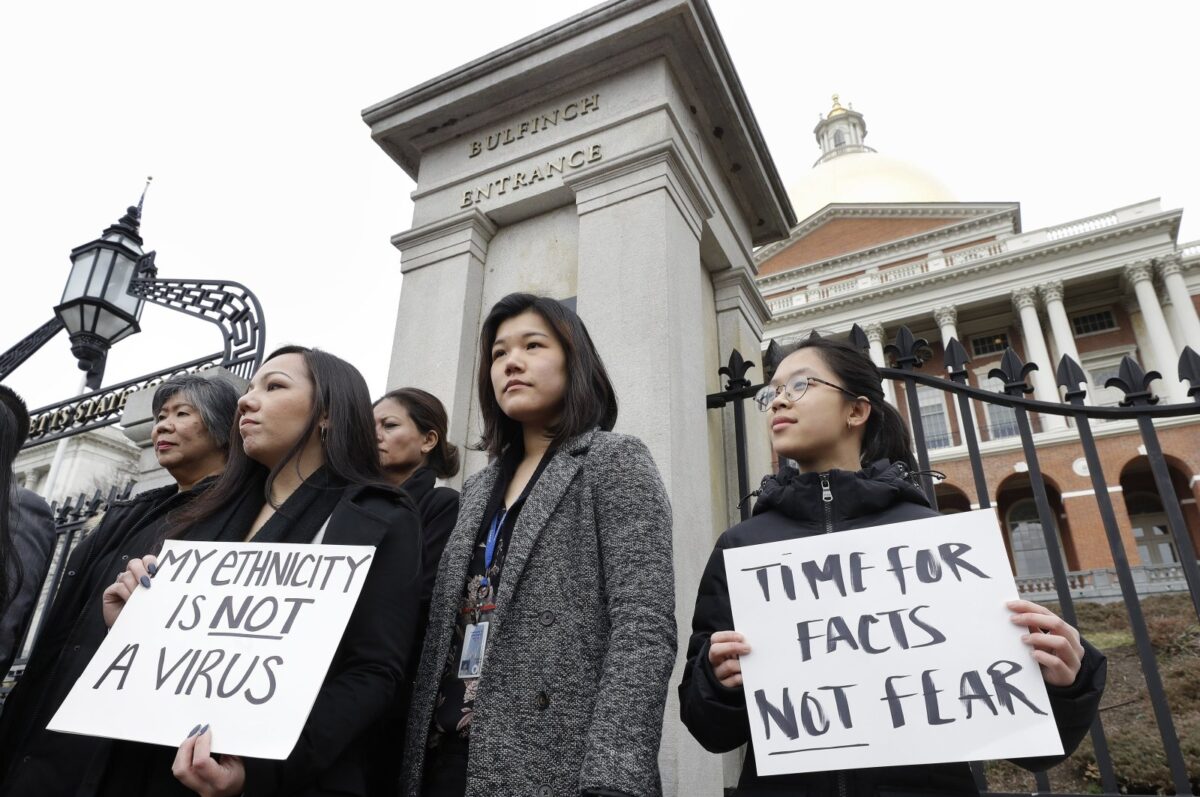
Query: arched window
1150	531
1028	542
839	138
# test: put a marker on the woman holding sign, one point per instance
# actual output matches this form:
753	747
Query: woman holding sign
826	411
193	422
551	632
304	468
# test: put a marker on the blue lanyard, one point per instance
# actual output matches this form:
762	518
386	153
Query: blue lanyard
489	551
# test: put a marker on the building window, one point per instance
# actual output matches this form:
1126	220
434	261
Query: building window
1030	556
1001	420
839	139
933	417
1105	396
1150	532
989	344
1093	322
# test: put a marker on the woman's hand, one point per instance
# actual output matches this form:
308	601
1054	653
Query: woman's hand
208	775
724	650
1055	643
137	573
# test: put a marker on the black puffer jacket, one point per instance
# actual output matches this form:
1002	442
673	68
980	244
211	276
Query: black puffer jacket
790	505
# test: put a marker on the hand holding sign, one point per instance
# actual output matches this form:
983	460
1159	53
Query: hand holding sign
724	651
1055	642
137	573
204	773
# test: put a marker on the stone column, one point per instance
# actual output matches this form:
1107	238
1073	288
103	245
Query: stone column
947	321
1044	387
1171	271
640	223
1060	326
1163	355
875	334
442	265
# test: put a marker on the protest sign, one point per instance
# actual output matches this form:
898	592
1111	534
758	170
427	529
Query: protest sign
237	636
886	646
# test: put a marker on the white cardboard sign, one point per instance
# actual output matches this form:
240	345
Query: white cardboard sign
237	636
886	646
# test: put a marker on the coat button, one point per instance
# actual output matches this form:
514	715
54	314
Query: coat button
70	572
543	791
542	702
547	618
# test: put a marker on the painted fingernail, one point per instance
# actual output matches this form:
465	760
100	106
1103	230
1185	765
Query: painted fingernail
145	580
194	732
152	568
203	730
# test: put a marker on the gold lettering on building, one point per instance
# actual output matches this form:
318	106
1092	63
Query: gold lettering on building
523	179
534	125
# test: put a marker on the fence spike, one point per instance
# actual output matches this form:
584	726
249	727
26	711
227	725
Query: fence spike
735	371
1134	383
1012	372
907	349
956	360
1189	371
859	339
1071	376
772	358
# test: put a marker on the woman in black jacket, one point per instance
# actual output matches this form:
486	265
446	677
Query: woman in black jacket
414	452
303	468
193	416
827	413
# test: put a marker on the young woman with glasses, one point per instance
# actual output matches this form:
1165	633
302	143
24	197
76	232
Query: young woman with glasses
826	411
551	632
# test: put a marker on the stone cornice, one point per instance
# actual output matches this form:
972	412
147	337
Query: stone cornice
462	233
1005	260
979	218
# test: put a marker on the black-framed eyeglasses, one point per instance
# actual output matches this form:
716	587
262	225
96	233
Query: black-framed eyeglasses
793	389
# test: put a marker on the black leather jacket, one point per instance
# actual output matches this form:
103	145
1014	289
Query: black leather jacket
790	505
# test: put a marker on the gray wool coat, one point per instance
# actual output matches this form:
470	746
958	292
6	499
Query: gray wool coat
581	646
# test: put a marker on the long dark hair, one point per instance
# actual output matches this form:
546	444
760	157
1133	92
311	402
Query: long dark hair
428	415
351	451
589	400
886	435
14	425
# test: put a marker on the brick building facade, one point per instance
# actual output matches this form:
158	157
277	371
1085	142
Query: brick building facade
1114	284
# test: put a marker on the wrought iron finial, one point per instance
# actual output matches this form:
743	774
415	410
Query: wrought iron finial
772	358
1012	372
1071	376
735	371
142	200
814	334
956	361
859	339
907	349
1134	383
1189	371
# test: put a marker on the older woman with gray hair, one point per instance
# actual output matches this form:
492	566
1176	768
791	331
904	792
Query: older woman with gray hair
193	420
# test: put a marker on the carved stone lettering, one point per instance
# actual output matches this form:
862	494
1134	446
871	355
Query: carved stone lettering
532	126
540	172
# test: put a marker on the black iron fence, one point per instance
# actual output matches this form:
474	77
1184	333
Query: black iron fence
1140	405
73	519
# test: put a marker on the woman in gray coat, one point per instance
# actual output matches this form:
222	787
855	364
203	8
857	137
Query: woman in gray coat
551	632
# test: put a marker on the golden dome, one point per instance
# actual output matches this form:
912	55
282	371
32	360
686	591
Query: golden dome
863	177
836	110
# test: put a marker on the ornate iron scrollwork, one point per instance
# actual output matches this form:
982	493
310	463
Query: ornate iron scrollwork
26	347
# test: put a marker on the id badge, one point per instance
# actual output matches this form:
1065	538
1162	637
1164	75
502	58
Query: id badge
474	645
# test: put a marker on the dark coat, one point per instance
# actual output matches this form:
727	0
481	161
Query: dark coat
790	506
581	646
438	507
32	759
340	751
32	532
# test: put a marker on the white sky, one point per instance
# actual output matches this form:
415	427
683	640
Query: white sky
247	115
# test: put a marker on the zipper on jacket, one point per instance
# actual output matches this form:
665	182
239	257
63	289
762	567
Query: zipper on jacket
827	500
841	784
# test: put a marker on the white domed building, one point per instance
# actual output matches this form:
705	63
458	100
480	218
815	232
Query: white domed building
884	244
